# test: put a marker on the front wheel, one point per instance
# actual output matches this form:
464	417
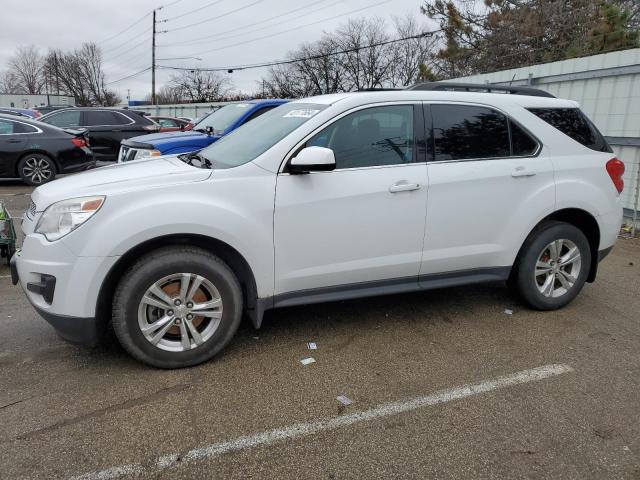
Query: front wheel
177	307
552	267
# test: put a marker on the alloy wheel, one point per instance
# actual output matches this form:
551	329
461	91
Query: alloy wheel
180	312
557	268
38	170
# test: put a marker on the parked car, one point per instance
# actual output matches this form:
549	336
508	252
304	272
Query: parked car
207	131
325	198
8	111
107	127
21	112
169	124
37	152
51	108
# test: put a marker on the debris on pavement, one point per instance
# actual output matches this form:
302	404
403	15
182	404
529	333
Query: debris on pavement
508	311
312	346
344	400
307	360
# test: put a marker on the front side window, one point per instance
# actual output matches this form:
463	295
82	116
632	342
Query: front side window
573	123
64	119
370	137
167	122
469	132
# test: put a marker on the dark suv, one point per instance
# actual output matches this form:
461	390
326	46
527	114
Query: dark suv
107	127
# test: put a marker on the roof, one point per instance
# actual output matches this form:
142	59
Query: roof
430	95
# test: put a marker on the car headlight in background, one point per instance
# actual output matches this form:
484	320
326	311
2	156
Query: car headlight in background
143	153
64	217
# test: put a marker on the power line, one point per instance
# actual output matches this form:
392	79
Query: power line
127	42
141	43
129	76
302	59
291	29
126	29
210	4
216	17
196	41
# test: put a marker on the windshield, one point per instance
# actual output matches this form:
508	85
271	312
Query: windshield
256	137
224	117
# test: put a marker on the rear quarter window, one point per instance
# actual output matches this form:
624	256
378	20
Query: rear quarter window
573	123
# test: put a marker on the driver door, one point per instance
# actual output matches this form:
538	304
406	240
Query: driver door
361	225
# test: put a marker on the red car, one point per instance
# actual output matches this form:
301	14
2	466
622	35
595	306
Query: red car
170	124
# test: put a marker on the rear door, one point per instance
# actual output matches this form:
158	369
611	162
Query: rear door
105	133
489	180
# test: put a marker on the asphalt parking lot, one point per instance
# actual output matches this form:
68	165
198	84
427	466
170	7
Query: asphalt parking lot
443	384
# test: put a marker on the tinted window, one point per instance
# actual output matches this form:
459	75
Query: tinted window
167	122
120	119
370	137
574	124
69	118
467	132
6	127
24	128
99	117
521	142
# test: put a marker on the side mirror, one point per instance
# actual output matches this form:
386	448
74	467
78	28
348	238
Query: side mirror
209	130
313	159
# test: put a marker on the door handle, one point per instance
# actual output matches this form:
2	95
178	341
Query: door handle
522	172
403	186
14	140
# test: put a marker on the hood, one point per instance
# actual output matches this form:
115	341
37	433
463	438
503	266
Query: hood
120	178
170	140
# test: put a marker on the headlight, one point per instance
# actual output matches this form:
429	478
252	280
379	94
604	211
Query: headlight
64	217
143	153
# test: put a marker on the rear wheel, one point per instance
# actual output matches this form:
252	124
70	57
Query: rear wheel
177	307
553	266
36	168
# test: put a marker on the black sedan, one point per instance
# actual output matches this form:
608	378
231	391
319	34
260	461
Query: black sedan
107	127
37	152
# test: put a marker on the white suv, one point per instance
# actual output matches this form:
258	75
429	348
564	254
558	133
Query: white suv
325	198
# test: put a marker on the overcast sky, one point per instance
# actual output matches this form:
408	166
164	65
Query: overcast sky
66	24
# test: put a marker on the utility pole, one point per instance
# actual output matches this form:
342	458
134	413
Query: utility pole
153	61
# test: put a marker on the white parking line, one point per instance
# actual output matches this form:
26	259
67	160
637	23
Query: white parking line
310	428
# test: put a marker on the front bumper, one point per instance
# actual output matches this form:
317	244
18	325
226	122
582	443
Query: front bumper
62	287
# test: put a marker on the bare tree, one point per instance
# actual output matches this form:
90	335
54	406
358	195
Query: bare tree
26	67
412	56
8	83
199	86
168	95
79	73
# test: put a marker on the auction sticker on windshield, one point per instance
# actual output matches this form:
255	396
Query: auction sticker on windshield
302	113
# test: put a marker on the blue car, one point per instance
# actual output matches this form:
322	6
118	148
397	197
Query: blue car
208	130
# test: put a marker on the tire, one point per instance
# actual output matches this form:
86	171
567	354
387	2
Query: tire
551	285
218	296
36	169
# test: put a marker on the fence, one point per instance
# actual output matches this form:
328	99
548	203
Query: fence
191	110
607	86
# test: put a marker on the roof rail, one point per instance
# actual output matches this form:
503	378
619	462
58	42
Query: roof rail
480	88
376	89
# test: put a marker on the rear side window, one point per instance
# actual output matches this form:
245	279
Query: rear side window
469	132
573	123
522	144
24	128
121	119
99	117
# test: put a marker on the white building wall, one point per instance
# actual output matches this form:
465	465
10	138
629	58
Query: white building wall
30	101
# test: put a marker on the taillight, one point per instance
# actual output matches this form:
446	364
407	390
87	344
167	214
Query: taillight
615	169
79	142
